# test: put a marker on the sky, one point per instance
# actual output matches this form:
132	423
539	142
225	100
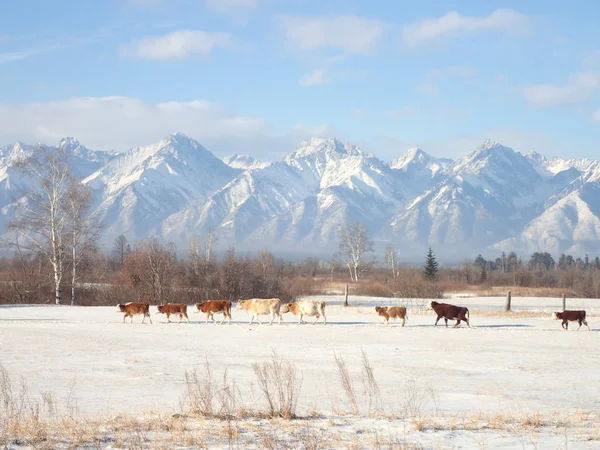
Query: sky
258	76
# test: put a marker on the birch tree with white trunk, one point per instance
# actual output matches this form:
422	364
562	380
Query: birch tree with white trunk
353	248
83	229
41	221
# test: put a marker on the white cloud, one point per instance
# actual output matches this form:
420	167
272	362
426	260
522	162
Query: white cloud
453	24
596	116
119	123
317	77
357	113
177	45
401	113
579	89
228	5
322	130
145	2
429	88
15	56
351	34
125	121
452	71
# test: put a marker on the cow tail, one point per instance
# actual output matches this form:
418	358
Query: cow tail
468	315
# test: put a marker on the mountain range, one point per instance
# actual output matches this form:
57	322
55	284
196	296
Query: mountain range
491	200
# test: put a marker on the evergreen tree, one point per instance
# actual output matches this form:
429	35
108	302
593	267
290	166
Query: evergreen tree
431	266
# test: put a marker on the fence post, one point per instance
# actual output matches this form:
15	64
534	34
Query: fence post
508	300
564	302
346	297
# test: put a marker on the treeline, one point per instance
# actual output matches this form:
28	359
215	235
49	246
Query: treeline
578	275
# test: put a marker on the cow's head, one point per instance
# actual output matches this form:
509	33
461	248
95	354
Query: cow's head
120	307
380	309
556	315
430	304
240	304
285	308
198	307
160	308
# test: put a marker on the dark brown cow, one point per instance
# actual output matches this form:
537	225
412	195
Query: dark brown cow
211	307
175	309
132	308
392	312
451	312
571	316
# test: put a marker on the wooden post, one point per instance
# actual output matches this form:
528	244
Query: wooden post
346	297
564	302
508	299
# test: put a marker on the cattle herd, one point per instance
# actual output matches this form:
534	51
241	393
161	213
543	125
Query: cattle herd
256	307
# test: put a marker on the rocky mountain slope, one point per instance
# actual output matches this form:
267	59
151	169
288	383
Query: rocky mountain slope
492	199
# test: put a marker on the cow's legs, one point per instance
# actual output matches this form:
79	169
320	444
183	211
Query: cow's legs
316	318
438	319
324	319
446	320
280	318
403	320
258	319
143	317
149	318
579	325
300	319
468	324
124	317
457	323
206	321
565	325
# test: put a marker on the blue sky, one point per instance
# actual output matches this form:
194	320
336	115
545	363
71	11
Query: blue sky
257	76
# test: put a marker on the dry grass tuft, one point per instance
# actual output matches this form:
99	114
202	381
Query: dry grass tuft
280	384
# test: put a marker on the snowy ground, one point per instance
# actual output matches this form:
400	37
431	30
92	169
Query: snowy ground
502	365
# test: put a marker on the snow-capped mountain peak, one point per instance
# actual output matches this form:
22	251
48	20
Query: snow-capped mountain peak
492	197
244	162
331	147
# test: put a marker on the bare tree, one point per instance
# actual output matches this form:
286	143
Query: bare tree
158	262
83	230
121	249
391	259
41	221
354	244
208	246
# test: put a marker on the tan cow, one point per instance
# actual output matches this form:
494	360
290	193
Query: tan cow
211	307
258	306
392	312
174	308
306	308
132	308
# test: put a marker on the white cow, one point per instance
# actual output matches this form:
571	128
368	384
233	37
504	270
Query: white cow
258	306
306	308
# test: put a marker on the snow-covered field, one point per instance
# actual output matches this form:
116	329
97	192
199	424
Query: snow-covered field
502	365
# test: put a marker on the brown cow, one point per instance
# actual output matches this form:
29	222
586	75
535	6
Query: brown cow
451	312
392	312
211	307
132	308
175	309
571	316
